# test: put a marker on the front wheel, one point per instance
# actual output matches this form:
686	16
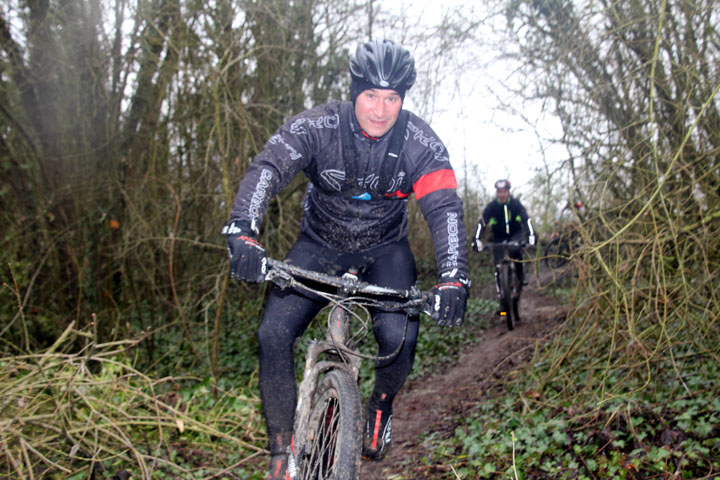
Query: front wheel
506	295
517	291
334	431
516	309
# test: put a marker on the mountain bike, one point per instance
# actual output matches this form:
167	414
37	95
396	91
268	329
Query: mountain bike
509	286
558	251
328	428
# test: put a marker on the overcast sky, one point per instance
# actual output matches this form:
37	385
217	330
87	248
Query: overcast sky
468	115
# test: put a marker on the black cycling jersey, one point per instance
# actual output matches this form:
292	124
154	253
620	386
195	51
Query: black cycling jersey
373	211
505	220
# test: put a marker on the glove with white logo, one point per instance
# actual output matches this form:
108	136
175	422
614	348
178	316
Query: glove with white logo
247	257
531	240
477	245
449	300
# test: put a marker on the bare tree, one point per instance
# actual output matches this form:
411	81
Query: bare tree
635	85
125	128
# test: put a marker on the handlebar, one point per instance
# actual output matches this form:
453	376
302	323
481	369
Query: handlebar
507	243
286	275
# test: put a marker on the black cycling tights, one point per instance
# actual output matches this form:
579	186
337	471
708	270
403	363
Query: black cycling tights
288	313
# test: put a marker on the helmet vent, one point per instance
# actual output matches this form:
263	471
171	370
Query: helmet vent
384	64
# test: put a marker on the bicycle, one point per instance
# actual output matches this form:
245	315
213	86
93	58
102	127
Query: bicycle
508	284
328	428
559	250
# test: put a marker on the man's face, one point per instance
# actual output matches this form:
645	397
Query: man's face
377	110
503	194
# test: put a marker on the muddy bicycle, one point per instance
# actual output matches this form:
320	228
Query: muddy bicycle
328	428
509	285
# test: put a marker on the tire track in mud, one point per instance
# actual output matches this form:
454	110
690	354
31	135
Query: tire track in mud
433	403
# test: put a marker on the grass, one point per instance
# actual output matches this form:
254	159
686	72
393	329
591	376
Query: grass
70	416
594	403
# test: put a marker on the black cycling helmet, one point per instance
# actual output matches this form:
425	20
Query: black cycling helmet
502	184
381	64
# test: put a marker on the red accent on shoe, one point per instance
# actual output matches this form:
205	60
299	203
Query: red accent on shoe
277	469
376	431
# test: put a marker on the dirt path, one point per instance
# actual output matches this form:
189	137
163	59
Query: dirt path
433	403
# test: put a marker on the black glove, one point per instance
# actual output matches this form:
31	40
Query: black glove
247	257
450	300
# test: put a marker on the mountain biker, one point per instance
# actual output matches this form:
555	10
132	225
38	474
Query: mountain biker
507	219
571	212
363	159
567	220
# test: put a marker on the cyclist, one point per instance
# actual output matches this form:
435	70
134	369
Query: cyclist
507	219
568	219
571	213
363	159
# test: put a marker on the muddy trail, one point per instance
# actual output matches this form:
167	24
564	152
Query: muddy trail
435	403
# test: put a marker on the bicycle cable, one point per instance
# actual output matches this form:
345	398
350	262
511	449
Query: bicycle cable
338	301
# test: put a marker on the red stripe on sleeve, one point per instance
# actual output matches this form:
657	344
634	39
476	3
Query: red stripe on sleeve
437	180
398	194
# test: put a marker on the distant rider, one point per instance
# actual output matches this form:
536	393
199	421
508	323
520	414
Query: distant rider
571	213
507	219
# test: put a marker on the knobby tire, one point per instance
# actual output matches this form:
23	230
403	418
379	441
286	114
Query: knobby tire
334	429
506	294
516	299
516	309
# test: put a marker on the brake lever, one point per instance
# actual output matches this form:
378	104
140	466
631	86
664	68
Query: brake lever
280	278
426	303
